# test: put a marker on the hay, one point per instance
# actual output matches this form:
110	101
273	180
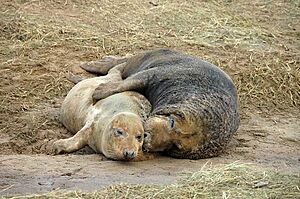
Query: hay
234	180
272	83
263	59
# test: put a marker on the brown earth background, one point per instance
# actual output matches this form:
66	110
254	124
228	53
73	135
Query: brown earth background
256	42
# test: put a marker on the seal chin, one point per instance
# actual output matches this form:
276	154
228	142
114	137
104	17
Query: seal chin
122	156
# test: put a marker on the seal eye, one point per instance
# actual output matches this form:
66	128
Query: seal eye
172	122
138	137
118	132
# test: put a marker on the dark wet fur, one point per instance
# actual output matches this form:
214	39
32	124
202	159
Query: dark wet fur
200	90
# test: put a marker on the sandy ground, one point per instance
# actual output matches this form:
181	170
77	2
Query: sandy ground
255	42
271	142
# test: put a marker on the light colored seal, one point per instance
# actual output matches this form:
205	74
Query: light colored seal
112	126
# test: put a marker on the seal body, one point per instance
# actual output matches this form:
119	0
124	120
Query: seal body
194	103
112	126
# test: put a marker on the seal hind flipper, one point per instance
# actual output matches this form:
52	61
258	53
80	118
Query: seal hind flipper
104	65
78	141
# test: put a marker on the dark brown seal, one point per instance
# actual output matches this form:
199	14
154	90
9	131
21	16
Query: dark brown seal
195	108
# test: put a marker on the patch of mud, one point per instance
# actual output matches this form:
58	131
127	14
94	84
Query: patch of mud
270	142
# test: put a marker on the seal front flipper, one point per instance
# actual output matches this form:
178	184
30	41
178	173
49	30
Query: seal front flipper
78	141
104	65
134	83
108	89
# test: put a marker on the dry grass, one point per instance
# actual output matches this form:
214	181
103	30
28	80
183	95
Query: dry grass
235	180
262	58
41	40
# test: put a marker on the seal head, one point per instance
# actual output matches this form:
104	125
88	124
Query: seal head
172	129
122	138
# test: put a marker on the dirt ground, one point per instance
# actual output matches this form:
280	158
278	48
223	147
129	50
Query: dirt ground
269	142
41	41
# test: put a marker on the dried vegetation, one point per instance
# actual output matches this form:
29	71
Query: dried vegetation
234	180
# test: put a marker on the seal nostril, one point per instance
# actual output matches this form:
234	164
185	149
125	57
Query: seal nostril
128	154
